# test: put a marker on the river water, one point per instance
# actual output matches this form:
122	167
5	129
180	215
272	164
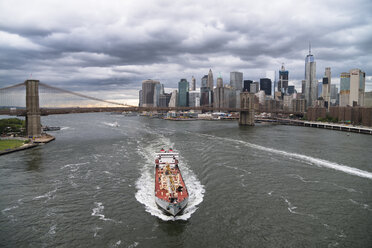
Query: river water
262	186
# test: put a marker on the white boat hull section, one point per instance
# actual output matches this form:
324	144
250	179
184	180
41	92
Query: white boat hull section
171	208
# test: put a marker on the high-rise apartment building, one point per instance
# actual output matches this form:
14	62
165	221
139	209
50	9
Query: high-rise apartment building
334	92
193	84
210	81
219	82
174	99
236	80
205	92
183	93
148	92
265	85
247	85
255	87
344	89
283	80
326	87
352	87
357	87
310	79
194	98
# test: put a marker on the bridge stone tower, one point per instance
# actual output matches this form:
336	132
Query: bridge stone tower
33	124
247	109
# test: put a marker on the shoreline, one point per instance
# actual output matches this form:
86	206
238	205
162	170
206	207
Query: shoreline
34	143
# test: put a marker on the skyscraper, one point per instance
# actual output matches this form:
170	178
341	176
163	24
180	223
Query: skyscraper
271	75
283	80
236	80
204	91
352	87
148	92
326	87
193	83
247	85
219	82
183	93
357	87
265	85
310	79
344	89
210	81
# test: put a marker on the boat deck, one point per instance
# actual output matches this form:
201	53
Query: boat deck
163	184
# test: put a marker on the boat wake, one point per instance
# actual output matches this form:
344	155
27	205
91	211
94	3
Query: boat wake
145	184
312	160
114	124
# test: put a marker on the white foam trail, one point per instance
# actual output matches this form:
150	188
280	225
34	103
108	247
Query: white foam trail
114	124
316	161
48	195
97	211
64	128
302	179
363	205
52	230
8	209
290	208
145	184
74	165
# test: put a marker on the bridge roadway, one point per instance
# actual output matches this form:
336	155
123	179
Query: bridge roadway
54	111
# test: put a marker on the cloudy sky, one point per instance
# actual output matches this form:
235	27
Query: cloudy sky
106	48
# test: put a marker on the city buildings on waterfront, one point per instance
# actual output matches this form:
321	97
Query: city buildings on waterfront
314	93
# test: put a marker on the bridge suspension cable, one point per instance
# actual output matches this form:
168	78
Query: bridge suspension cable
82	95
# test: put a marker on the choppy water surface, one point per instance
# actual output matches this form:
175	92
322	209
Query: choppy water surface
262	186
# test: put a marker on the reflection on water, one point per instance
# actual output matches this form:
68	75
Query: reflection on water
33	159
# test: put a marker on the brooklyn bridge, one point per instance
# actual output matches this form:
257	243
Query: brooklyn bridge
33	99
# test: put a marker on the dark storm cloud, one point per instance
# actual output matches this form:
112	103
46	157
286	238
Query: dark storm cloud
102	45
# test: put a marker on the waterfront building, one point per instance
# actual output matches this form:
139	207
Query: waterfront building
344	89
193	84
140	102
261	96
219	81
174	99
334	92
287	102
148	92
247	85
368	99
310	79
236	80
164	100
283	80
299	105
204	91
183	93
210	81
194	98
255	87
319	89
272	76
219	97
303	86
326	87
265	85
158	90
357	87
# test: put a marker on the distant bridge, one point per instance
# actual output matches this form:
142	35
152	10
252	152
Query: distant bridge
10	96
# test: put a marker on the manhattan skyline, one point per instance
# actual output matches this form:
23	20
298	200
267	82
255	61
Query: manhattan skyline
110	47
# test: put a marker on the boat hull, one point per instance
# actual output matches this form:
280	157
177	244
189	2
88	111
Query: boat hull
171	208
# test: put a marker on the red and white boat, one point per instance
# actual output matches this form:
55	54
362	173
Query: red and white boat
170	190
